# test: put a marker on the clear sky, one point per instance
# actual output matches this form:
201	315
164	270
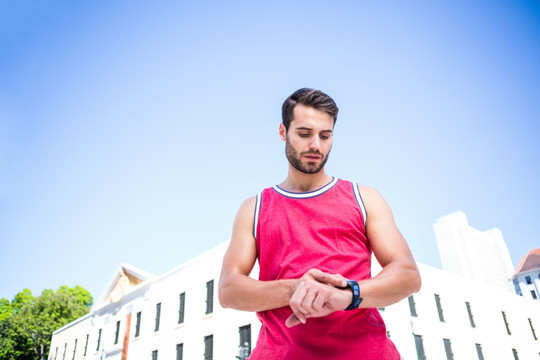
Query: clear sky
131	131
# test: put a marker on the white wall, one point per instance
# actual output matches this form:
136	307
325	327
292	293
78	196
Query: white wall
190	278
487	303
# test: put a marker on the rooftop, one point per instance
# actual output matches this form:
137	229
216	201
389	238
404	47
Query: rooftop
530	261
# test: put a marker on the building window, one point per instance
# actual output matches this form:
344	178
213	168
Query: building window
65	348
98	339
517	288
138	324
412	306
179	351
181	309
479	352
528	280
154	355
448	349
245	341
419	347
532	329
514	351
469	311
210	297
533	294
55	353
439	307
506	323
74	349
208	347
86	344
117	332
158	315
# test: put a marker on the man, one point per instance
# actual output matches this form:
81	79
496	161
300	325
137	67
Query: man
310	234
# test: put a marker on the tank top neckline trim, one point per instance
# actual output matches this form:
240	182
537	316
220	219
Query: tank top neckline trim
309	194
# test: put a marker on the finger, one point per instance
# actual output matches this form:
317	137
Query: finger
307	303
318	303
296	304
292	321
332	279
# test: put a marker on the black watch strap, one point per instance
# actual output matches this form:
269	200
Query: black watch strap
356	299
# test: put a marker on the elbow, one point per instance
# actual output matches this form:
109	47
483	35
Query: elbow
223	301
223	295
416	281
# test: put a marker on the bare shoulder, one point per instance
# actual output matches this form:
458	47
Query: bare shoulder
247	209
377	208
368	190
243	223
241	253
370	195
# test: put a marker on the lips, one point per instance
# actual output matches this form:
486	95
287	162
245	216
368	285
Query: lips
312	157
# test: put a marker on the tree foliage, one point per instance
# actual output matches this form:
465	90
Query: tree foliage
27	322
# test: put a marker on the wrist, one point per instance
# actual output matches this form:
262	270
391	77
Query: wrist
348	297
290	288
354	289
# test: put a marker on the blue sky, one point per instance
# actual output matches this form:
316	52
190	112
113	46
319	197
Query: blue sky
131	132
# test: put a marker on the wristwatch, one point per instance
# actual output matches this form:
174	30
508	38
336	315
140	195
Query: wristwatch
356	299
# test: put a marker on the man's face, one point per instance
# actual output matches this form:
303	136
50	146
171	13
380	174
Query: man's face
309	139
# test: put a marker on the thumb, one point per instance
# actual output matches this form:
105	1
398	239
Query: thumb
292	321
332	279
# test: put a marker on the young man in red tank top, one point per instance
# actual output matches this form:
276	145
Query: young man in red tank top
313	236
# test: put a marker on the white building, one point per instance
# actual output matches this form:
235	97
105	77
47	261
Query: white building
457	318
172	316
177	316
527	277
477	255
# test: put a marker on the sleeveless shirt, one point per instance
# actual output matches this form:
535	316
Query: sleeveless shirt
323	229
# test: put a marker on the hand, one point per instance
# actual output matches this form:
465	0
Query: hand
317	294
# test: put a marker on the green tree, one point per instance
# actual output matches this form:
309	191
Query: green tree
27	322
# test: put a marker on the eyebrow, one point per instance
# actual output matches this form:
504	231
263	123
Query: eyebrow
310	129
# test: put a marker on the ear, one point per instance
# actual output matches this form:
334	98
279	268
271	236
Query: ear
282	132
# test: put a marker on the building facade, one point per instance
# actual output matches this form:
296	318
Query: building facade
457	318
527	277
177	316
172	316
477	255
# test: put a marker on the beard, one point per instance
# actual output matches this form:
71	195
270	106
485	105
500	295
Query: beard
309	167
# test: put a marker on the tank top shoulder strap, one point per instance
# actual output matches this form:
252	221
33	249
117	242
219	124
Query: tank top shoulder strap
256	213
358	197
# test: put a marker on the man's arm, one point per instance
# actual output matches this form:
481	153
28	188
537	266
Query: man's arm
238	291
399	277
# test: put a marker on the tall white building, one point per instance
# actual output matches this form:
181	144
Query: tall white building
527	277
177	316
477	255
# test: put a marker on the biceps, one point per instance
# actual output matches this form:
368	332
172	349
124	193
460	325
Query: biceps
240	257
242	253
386	240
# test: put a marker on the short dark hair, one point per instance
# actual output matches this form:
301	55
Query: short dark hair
308	97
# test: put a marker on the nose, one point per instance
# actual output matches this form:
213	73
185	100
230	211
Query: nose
315	143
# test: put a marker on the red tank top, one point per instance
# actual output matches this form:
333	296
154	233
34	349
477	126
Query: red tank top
323	229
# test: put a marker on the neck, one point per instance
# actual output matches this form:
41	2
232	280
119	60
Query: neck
298	181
